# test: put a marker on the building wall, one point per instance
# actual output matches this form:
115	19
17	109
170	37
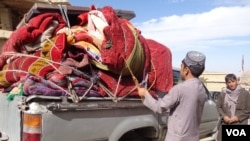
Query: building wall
5	18
9	19
214	81
5	24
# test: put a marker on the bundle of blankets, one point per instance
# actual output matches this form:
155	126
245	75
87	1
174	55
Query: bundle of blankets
102	55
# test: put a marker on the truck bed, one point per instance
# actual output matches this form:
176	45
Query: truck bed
91	119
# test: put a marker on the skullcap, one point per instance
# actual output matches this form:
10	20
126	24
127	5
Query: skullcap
194	58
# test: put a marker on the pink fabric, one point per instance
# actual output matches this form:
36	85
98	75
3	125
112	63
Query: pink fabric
29	33
161	57
119	40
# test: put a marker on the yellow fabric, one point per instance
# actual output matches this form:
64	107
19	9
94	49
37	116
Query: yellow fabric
3	81
89	47
40	63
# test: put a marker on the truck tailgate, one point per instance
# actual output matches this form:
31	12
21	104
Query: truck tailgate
93	120
10	117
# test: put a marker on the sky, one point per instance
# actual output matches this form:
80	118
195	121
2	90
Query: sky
218	28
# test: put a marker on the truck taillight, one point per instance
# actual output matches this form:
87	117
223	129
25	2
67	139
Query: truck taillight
31	127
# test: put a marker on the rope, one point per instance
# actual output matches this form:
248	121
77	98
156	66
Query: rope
32	56
64	13
118	84
142	83
54	84
110	94
135	59
154	75
48	61
72	93
92	84
132	74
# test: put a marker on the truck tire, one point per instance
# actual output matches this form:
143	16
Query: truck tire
133	136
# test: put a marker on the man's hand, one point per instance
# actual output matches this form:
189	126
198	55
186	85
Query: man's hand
234	119
142	92
226	119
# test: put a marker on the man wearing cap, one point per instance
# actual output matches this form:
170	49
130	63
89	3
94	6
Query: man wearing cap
184	101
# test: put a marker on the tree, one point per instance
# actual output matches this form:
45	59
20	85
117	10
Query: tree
204	80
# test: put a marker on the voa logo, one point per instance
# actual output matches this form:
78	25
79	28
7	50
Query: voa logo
236	132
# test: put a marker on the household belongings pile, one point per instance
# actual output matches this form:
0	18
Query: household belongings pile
102	55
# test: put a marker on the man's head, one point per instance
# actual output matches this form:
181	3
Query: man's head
193	64
231	81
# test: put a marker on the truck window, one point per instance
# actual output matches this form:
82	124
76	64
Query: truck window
176	76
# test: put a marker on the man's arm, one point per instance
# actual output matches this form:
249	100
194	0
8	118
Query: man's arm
160	105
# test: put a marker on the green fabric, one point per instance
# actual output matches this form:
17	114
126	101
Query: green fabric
11	95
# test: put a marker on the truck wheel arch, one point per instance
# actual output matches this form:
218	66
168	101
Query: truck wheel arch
143	122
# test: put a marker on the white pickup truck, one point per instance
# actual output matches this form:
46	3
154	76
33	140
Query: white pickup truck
60	118
47	118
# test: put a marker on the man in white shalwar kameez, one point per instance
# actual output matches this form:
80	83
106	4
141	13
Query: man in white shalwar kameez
184	101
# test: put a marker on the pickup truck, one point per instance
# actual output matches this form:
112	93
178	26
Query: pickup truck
48	118
95	118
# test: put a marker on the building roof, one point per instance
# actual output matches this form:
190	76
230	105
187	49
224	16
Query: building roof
22	6
5	33
214	73
12	11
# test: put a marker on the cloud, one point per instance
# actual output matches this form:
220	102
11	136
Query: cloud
213	28
232	2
